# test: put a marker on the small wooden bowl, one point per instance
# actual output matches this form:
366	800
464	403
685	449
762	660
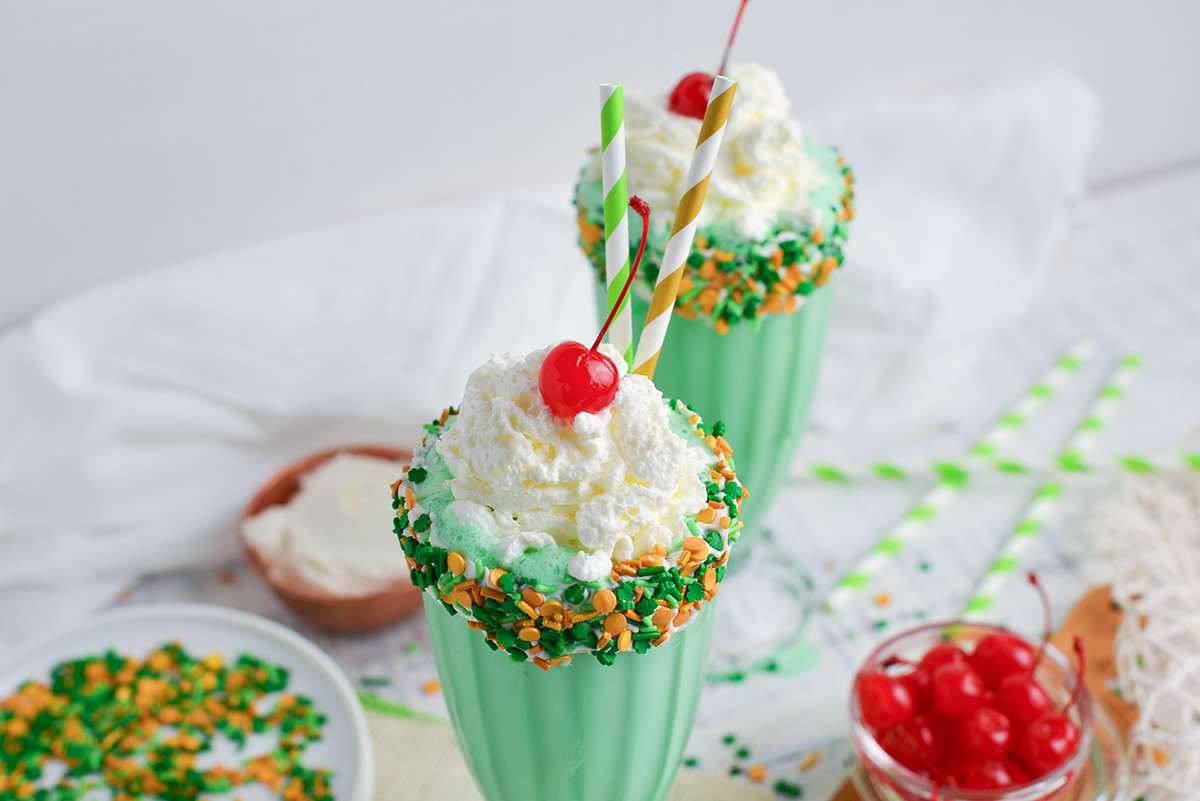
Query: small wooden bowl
319	607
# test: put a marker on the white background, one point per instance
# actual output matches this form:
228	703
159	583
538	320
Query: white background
137	132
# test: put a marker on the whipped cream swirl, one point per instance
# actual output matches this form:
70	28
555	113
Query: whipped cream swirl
609	486
763	169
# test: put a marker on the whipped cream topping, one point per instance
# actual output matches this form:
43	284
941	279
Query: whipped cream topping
609	486
763	169
336	531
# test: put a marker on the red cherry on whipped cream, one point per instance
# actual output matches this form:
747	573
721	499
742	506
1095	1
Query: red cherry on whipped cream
689	98
576	379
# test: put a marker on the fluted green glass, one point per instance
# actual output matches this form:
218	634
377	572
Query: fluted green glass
582	732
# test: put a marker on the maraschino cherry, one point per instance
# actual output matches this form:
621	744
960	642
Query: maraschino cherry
689	98
1051	739
575	378
976	720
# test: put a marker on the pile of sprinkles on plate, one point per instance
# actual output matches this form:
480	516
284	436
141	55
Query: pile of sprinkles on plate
728	278
140	729
645	601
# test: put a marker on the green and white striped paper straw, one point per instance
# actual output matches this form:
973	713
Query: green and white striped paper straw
830	473
616	214
1046	499
950	483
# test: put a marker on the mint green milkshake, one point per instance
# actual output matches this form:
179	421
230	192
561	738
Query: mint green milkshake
570	568
745	342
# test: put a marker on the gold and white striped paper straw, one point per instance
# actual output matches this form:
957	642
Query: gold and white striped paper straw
712	130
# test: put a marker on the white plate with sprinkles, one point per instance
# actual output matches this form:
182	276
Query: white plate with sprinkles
169	699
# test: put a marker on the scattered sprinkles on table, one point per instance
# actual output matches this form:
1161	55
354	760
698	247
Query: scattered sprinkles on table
141	728
642	604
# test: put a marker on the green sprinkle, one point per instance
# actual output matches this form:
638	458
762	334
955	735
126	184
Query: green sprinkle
374	681
423	523
689	762
1013	468
743	752
417	475
925	566
729	739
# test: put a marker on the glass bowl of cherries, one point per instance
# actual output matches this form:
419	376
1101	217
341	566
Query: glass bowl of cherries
975	712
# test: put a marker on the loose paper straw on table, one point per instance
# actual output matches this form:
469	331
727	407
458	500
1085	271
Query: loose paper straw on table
616	214
1046	499
831	473
662	304
951	482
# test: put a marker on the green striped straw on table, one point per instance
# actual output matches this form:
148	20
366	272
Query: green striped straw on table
1046	499
826	472
616	214
950	482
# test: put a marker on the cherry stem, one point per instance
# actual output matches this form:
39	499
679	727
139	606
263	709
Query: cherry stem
1077	644
732	35
1033	579
643	210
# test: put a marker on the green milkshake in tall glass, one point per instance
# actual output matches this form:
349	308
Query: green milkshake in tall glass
746	338
570	559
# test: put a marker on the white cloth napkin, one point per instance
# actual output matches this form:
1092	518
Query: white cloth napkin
137	418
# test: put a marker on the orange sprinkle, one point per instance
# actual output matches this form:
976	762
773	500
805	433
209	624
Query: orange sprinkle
494	595
666	635
410	500
810	760
432	686
457	563
476	625
756	773
615	623
530	634
550	609
542	663
695	545
883	599
706	515
662	617
624	640
604	601
532	597
495	575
